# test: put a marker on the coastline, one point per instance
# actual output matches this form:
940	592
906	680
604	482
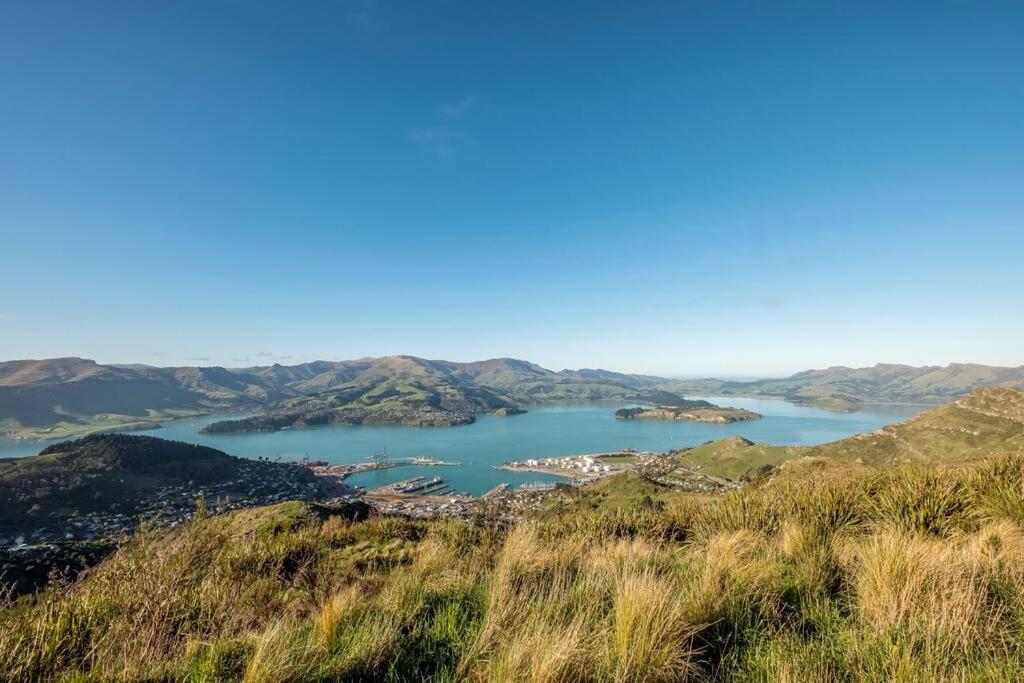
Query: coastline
23	436
867	404
567	474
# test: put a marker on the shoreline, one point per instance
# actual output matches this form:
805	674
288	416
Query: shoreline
21	436
709	397
566	474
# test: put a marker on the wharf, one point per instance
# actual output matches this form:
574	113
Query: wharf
496	491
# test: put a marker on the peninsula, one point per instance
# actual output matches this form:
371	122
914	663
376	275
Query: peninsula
703	413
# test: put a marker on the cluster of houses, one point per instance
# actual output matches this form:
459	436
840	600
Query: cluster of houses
256	483
454	506
263	483
519	503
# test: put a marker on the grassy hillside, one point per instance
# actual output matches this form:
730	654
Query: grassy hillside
909	571
910	574
985	422
400	390
735	456
529	383
67	396
110	473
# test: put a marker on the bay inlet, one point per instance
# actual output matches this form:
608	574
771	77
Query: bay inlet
544	431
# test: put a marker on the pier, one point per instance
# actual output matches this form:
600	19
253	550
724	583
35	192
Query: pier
496	491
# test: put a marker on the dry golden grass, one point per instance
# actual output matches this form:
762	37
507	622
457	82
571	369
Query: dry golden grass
910	574
649	634
327	620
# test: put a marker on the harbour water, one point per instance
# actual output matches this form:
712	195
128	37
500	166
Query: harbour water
550	430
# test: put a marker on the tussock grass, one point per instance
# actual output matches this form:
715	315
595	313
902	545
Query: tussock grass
911	574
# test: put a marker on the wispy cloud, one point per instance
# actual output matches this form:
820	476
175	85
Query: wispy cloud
198	359
3	317
448	134
458	109
443	141
363	13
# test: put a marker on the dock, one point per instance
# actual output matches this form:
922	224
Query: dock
417	484
496	491
432	462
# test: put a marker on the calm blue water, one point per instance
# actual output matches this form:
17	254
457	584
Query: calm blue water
563	429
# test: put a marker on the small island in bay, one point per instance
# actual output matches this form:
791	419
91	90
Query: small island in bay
708	412
508	411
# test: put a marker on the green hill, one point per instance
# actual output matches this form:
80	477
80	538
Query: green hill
70	396
396	390
118	474
985	422
415	391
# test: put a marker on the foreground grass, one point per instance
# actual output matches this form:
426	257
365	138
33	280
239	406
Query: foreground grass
910	574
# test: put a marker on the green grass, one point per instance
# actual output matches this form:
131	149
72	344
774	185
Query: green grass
908	572
912	573
103	422
986	422
734	457
619	459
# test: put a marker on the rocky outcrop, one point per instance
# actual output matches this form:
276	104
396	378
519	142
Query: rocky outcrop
508	412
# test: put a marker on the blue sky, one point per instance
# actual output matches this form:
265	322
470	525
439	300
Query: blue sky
685	188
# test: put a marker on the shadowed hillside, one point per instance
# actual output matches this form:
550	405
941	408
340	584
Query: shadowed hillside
119	474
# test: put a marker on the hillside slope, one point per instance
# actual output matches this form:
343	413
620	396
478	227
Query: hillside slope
907	573
121	474
67	396
415	391
395	390
846	389
986	422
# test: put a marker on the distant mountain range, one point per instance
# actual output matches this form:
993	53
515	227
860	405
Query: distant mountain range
848	389
68	396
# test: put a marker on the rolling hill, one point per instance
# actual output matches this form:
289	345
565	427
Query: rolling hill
847	389
414	391
394	390
986	422
68	396
118	474
63	397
